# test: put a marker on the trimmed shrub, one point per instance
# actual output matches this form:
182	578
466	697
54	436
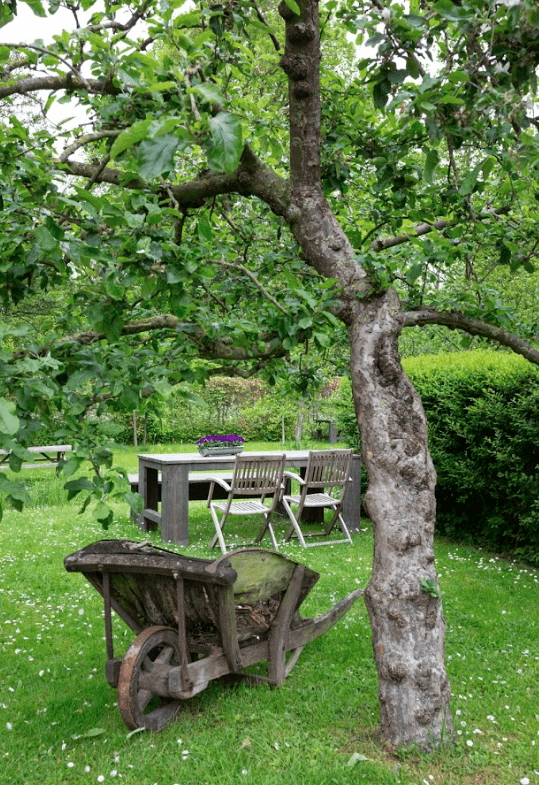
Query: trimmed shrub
483	413
344	413
482	408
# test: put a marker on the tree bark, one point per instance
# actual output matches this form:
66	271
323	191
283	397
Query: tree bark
408	626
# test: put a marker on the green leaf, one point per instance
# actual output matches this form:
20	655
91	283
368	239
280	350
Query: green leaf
9	422
412	66
505	255
89	734
397	76
44	239
431	162
70	466
468	184
156	156
15	462
36	7
321	339
414	272
15	492
356	758
137	730
148	287
205	231
450	11
380	93
293	7
135	501
191	19
113	288
102	511
74	487
129	137
227	144
488	165
210	92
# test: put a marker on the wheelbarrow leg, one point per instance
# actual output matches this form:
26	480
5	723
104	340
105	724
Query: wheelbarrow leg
278	667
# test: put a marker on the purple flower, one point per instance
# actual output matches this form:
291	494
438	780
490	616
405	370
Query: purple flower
231	438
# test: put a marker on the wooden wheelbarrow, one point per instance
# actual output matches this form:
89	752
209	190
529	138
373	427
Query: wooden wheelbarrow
197	620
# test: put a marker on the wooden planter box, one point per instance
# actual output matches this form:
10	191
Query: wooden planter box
223	449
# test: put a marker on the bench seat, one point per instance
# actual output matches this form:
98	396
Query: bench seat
199	485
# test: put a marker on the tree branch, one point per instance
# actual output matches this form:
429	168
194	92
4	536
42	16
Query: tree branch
50	53
260	15
421	229
254	279
458	321
87	139
66	82
251	178
211	348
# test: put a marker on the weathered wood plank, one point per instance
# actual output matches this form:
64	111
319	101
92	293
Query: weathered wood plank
263	573
216	665
229	633
311	630
280	627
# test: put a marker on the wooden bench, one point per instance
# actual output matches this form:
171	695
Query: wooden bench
199	488
199	485
48	453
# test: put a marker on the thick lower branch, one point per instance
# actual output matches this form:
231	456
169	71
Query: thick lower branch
210	348
68	82
251	178
458	321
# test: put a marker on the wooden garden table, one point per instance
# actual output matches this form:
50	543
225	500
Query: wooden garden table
174	469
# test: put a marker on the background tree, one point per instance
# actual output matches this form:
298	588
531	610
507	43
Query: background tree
178	200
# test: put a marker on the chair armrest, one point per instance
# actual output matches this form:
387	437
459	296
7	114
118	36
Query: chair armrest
294	476
219	481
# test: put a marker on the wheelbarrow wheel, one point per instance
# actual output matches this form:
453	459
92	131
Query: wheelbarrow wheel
140	707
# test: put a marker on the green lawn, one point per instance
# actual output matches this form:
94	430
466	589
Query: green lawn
60	722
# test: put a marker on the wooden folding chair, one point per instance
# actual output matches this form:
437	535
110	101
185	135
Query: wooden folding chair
258	476
326	472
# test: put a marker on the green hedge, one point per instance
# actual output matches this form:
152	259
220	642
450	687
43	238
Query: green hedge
483	414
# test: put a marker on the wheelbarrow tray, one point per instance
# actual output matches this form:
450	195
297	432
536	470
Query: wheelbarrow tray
198	619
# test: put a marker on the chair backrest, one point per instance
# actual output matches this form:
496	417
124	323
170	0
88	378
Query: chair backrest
328	468
260	474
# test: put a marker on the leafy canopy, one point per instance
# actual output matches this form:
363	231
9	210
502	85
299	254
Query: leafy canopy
136	256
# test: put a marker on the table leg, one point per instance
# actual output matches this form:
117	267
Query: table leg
175	504
149	485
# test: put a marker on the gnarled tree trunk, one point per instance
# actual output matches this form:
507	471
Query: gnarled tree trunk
407	623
